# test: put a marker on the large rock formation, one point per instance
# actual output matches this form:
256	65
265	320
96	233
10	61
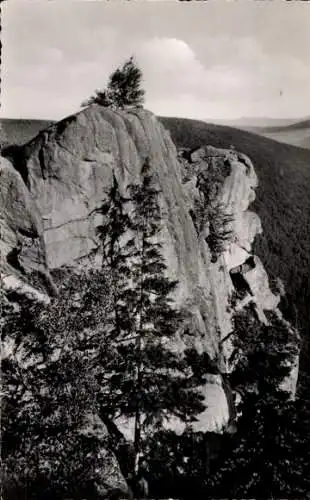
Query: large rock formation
50	220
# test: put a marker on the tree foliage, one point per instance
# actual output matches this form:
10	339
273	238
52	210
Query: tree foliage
52	384
123	89
267	457
209	214
220	230
152	382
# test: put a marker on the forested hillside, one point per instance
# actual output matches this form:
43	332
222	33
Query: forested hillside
17	131
282	202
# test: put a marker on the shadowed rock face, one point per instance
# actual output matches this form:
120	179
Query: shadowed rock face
22	244
21	219
69	169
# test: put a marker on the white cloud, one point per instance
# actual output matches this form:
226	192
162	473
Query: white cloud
165	50
176	79
236	78
170	65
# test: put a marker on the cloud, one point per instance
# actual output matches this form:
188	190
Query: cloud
165	50
192	66
176	79
53	55
172	65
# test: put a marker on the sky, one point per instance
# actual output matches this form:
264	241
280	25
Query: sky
204	60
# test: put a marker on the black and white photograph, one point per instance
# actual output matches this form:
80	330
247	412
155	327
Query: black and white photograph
155	250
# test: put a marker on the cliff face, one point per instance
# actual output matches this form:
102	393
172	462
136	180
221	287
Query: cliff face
50	221
22	244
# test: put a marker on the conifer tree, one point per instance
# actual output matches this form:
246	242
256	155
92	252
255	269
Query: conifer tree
112	234
149	381
123	88
101	347
161	379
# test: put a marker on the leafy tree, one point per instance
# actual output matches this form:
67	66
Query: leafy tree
177	462
53	382
123	88
261	352
268	454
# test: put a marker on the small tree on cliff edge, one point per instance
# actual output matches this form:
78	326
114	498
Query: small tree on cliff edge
123	88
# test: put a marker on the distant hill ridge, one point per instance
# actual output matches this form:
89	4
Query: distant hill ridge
297	134
21	130
294	126
294	132
258	122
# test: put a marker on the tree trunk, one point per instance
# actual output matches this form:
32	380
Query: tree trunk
137	431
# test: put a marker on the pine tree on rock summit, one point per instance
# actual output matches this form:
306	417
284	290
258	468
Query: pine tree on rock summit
123	88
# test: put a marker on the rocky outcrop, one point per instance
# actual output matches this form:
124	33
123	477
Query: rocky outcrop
238	276
51	219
